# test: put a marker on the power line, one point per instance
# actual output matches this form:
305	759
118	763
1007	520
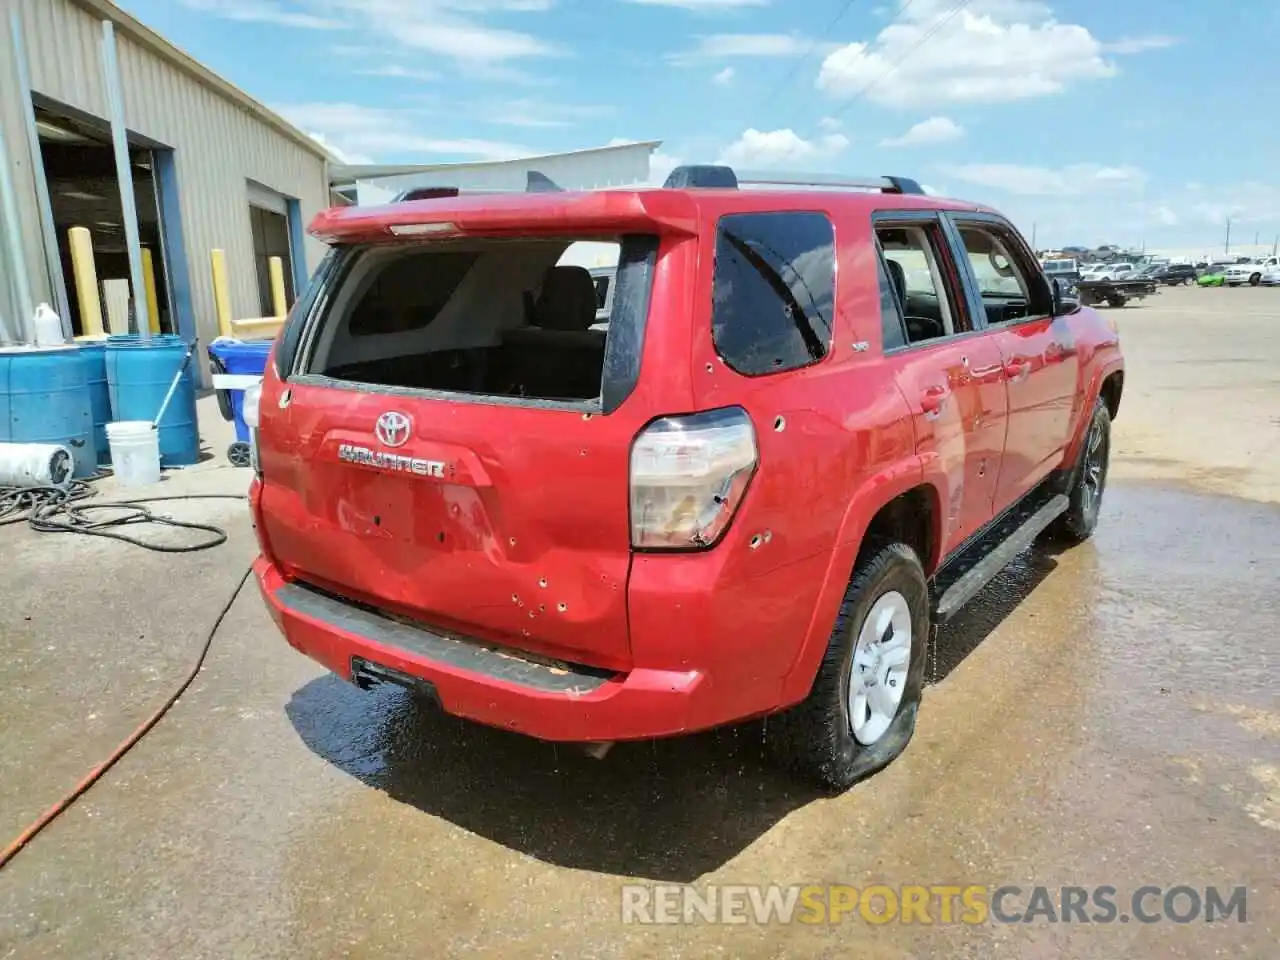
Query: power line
925	38
848	5
845	9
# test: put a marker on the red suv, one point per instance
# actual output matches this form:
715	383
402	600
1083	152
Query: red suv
816	422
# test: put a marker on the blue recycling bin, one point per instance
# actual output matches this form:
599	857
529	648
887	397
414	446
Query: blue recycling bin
245	357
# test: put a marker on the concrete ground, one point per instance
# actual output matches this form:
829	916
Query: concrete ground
1108	715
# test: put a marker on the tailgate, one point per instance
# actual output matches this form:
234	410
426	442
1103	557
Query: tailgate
506	523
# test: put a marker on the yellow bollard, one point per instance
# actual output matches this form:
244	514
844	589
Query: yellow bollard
149	281
275	266
88	297
221	293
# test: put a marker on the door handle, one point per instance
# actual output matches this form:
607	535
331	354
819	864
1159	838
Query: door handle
1016	370
933	400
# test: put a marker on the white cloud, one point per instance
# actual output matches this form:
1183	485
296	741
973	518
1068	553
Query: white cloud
778	148
374	132
701	4
399	72
725	45
830	124
1070	181
1141	44
537	114
454	29
993	50
933	130
342	156
660	167
724	78
265	11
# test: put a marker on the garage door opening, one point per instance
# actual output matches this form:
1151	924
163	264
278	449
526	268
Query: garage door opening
269	219
84	191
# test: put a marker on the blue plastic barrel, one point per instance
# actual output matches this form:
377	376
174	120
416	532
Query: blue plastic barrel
138	376
246	358
95	357
44	398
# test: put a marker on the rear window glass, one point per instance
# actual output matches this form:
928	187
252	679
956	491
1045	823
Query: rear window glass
516	317
774	290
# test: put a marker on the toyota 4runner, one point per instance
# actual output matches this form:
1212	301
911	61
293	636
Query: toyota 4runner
819	418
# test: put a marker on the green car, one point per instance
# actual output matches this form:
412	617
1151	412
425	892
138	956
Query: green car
1215	279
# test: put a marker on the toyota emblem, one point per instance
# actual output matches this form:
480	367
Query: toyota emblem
393	428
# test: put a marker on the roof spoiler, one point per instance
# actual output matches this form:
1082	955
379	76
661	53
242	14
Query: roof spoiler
535	182
711	176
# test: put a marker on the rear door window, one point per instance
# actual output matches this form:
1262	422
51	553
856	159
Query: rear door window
774	291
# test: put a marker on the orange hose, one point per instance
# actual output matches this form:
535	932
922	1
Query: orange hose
93	775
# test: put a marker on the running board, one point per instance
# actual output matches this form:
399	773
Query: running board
967	586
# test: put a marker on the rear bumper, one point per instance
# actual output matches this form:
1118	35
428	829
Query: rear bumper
558	702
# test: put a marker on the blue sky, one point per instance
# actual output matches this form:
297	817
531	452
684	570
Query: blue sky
1084	120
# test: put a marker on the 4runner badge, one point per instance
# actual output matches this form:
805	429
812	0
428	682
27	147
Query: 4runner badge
392	429
391	462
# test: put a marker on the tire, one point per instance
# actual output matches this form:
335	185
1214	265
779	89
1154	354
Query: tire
1115	301
1088	481
1255	279
816	738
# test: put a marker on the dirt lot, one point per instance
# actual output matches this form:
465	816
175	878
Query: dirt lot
1108	715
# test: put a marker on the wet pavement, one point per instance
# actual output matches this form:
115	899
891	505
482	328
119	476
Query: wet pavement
1107	715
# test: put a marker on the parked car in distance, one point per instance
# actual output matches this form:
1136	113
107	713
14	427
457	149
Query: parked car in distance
1065	269
754	495
1215	275
1114	271
1250	273
1172	274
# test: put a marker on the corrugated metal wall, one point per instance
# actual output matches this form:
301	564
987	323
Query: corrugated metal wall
219	145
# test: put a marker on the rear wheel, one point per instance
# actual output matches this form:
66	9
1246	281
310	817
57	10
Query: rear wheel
1088	481
861	711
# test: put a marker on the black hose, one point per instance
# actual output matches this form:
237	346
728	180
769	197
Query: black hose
58	510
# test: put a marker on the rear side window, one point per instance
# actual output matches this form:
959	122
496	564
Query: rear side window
773	292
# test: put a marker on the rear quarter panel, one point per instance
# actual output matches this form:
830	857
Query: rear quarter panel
836	442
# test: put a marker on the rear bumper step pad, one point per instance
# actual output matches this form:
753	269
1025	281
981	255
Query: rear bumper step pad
473	656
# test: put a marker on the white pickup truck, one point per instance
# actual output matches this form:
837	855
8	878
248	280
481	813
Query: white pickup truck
1110	271
1252	273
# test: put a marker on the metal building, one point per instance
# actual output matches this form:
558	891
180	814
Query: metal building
210	167
619	164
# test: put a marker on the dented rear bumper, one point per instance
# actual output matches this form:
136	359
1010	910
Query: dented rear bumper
499	688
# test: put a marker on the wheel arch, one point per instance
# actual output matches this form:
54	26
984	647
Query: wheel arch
897	503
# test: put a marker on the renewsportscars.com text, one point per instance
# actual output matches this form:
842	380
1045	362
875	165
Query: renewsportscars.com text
930	904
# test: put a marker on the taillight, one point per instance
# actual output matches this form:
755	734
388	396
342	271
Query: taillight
688	476
251	412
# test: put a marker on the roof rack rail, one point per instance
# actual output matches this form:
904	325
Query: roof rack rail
712	176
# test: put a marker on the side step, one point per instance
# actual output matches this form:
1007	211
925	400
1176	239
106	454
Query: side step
966	586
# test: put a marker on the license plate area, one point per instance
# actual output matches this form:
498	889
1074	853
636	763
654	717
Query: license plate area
366	674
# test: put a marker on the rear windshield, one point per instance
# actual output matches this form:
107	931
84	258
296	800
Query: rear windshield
510	317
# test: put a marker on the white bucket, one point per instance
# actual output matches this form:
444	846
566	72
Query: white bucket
35	465
135	452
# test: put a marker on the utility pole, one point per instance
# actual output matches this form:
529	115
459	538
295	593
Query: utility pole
1276	245
1033	236
1226	248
